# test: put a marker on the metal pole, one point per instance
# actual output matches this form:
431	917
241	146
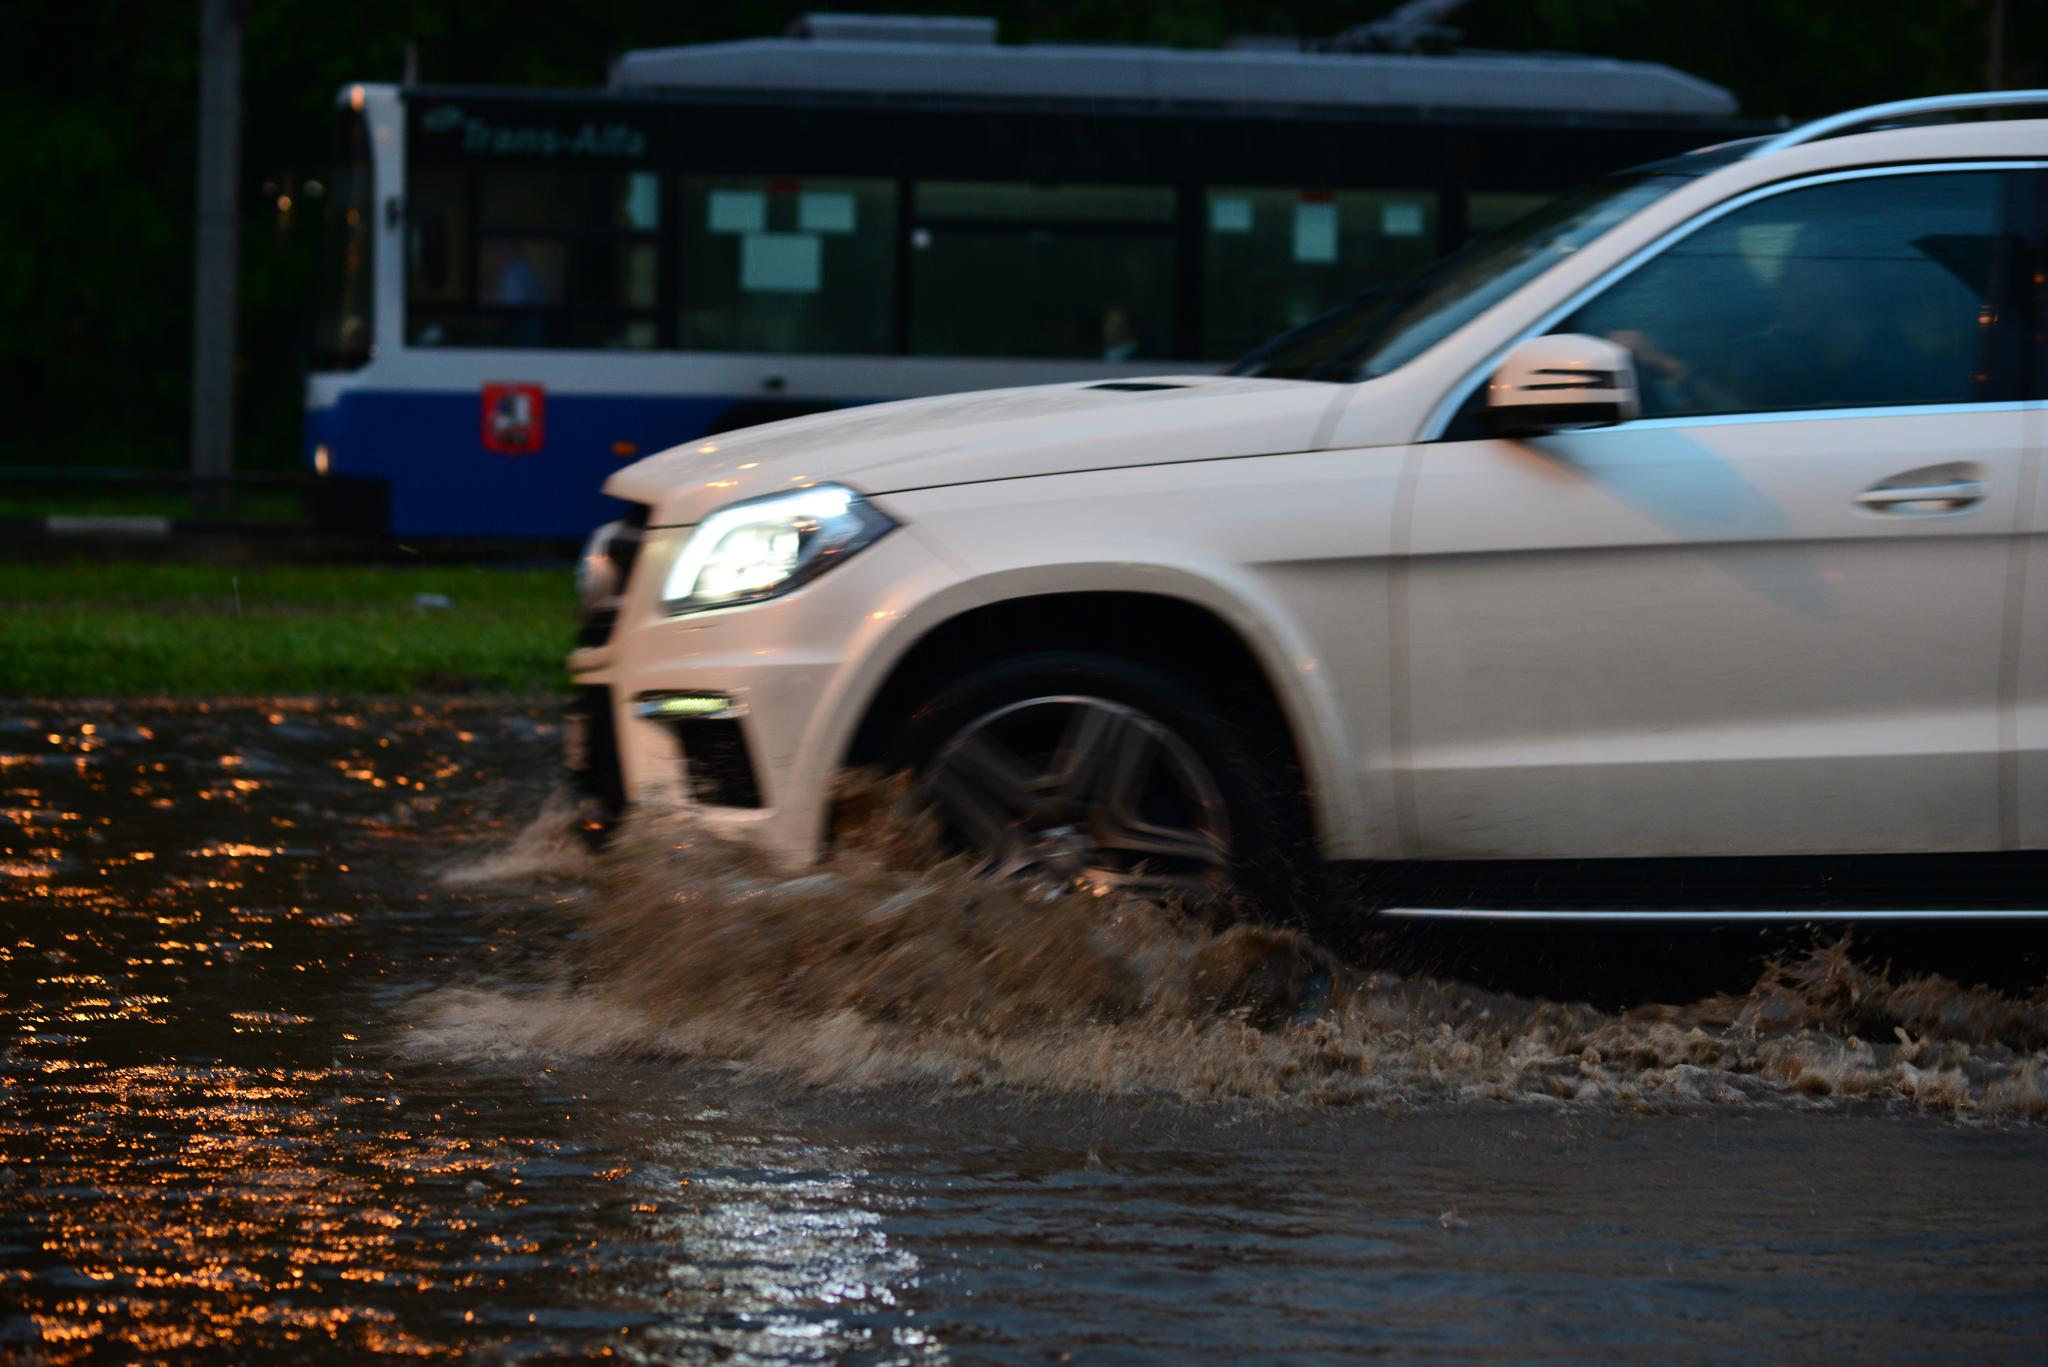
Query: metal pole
215	252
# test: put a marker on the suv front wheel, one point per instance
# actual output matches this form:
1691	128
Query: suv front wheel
1104	774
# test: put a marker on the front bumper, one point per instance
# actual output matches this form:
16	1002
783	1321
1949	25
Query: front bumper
799	671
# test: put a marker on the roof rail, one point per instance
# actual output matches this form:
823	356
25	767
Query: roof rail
1835	124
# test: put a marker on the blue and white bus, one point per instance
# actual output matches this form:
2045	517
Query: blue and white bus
525	289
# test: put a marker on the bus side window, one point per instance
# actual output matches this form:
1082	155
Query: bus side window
533	257
1073	271
437	253
431	248
1274	258
787	264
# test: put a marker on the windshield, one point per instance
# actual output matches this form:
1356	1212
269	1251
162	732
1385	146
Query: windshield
1390	325
341	334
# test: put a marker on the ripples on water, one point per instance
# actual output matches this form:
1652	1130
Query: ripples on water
317	1044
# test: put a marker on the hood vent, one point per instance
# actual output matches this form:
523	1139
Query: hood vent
1134	386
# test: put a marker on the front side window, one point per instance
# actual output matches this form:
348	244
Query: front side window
1870	292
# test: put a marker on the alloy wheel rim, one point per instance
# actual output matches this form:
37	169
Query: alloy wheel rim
1083	792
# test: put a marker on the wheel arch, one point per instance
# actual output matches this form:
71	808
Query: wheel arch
1237	671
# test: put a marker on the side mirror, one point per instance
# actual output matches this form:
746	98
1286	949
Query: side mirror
1547	384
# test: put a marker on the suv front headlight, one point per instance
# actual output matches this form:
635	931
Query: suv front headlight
766	546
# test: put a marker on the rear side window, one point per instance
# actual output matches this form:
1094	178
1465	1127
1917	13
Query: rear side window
1872	292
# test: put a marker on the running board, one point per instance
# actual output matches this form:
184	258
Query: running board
1714	916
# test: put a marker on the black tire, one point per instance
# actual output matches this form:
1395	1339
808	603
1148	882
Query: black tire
1270	868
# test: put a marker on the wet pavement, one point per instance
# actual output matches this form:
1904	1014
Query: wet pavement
317	1044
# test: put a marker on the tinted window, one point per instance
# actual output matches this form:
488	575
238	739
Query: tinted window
1274	259
783	264
438	239
342	333
2033	285
1489	211
1042	270
1852	294
517	257
1387	327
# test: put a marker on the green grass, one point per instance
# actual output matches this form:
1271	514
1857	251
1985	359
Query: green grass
121	629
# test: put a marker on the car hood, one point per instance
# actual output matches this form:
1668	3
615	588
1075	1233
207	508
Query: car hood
994	434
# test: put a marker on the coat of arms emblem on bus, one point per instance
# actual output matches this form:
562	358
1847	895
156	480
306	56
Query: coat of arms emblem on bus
514	418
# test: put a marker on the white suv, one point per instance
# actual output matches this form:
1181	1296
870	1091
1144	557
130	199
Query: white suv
1699	514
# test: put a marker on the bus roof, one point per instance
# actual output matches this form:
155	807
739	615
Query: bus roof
887	55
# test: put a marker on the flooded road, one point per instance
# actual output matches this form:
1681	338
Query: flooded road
316	1044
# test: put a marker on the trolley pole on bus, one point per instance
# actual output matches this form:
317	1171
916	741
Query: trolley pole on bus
215	253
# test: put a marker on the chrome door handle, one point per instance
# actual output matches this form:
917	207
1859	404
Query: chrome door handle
1924	498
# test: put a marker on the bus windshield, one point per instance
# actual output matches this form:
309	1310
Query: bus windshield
341	332
1390	325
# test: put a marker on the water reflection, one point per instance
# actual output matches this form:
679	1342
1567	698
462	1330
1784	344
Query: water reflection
206	1150
218	1139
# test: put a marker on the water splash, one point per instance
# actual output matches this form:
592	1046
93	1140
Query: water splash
890	966
551	845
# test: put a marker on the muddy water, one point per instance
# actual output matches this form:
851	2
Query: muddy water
318	1044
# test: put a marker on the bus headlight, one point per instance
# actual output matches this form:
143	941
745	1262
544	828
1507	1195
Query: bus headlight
765	546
